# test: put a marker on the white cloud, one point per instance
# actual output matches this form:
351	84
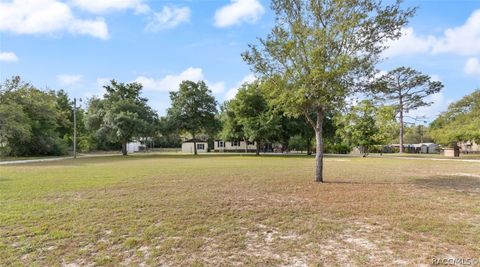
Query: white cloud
168	17
461	40
233	91
171	82
410	43
435	78
237	12
8	57
47	16
101	6
97	28
99	90
472	66
217	88
69	79
440	104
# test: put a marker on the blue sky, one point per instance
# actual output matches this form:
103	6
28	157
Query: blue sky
78	45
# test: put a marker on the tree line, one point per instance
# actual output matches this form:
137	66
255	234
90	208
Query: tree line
40	122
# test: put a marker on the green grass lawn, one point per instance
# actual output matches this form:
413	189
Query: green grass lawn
238	210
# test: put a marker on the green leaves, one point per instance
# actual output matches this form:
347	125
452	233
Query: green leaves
193	109
122	114
248	115
366	125
318	49
29	120
405	88
461	122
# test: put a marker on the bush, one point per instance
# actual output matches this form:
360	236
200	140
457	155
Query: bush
339	148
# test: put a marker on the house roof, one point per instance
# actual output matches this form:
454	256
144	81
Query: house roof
194	140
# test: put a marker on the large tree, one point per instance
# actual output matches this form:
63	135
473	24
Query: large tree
232	129
121	115
193	110
319	51
461	121
29	120
406	89
259	123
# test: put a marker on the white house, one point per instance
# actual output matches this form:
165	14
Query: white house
234	146
188	146
469	147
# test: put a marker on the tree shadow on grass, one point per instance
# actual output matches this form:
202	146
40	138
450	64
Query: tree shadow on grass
364	183
461	183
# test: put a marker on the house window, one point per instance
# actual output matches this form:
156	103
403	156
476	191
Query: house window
220	144
200	146
235	143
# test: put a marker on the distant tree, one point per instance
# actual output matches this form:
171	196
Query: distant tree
121	115
193	109
65	121
362	125
318	53
29	120
406	89
14	125
232	129
168	136
417	134
461	121
258	121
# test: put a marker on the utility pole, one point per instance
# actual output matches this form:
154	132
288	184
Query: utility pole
74	128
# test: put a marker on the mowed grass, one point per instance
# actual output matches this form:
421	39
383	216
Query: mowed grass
238	210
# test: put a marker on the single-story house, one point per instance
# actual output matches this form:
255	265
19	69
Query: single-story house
241	146
234	146
188	146
469	147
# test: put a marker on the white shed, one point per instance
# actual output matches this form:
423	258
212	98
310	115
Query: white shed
187	146
133	146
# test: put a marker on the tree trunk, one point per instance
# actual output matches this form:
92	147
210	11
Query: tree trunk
319	139
401	130
194	145
258	148
246	145
309	146
124	148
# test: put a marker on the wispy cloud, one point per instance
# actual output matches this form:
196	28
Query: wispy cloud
69	79
238	12
169	17
171	82
8	57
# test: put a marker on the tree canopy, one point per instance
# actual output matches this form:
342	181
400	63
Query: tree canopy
193	110
122	114
320	51
29	119
250	115
461	121
406	89
366	125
